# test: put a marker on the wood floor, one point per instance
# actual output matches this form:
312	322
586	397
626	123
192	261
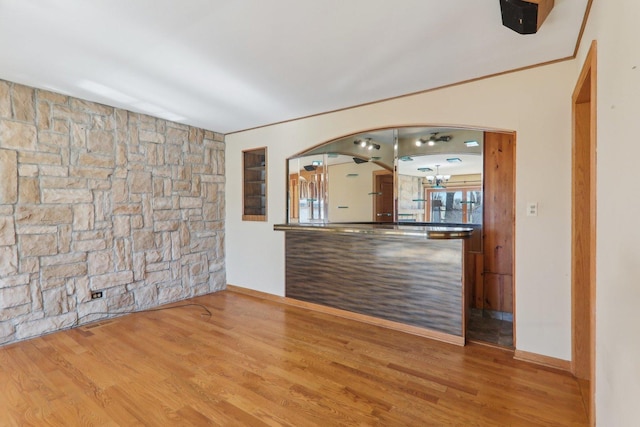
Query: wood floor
262	363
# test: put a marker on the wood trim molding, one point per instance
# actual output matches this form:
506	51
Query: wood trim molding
400	327
539	359
583	228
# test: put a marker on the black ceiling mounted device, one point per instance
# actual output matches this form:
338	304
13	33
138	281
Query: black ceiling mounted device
525	17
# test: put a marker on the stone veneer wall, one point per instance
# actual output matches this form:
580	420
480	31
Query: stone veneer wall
94	198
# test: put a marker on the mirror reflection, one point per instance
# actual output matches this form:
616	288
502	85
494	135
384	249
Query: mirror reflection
437	179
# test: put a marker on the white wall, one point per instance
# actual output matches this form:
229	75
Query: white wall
535	103
614	26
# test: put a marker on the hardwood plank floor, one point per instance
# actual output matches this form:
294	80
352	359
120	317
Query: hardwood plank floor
262	363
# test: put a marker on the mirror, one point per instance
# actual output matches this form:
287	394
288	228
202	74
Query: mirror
439	175
438	178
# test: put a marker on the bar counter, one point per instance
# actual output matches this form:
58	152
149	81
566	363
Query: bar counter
406	273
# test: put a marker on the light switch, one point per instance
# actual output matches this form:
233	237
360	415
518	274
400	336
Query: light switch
532	209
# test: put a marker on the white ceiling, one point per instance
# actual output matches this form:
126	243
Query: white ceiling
237	64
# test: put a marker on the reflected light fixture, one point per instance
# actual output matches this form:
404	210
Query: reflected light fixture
471	144
431	141
366	143
437	180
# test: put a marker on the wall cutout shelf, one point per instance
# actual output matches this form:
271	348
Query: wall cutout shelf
254	176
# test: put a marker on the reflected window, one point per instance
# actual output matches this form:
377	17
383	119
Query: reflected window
454	206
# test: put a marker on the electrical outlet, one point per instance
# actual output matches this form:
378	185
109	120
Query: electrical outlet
532	209
96	294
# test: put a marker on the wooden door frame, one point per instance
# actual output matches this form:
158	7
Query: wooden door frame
583	229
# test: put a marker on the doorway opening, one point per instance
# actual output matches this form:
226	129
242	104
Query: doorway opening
490	260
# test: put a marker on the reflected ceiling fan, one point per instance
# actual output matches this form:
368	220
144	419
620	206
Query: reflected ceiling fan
431	141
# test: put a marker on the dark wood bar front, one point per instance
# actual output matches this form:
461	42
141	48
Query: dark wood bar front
407	274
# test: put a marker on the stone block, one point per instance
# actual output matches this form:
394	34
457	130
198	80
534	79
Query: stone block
127	209
139	266
5	99
89	245
110	280
172	225
64	238
8	176
38	244
150	136
101	141
83	217
29	265
157	277
43	326
83	292
14	296
64	112
8	260
181	187
49	170
61	126
70	258
161	203
121	225
100	262
190	202
121	301
143	240
90	172
140	182
53	139
66	196
39	158
64	271
23	98
96	160
12	281
146	296
36	229
91	107
54	301
43	215
123	255
7	330
174	154
62	182
54	97
121	154
152	257
137	222
44	115
17	136
7	231
119	193
78	135
29	190
92	310
173	293
28	170
157	266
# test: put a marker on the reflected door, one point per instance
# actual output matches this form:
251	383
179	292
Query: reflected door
383	209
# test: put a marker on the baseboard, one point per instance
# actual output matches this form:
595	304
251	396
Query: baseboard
414	330
539	359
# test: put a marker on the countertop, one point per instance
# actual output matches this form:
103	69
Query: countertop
384	229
